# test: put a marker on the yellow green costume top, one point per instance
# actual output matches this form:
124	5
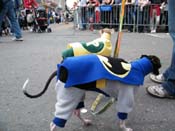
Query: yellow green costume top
100	46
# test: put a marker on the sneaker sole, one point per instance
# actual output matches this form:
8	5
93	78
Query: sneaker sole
19	40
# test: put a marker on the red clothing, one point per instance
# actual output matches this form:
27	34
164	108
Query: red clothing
93	2
157	8
97	16
30	4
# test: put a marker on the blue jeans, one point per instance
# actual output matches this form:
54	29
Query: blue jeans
169	74
83	17
8	10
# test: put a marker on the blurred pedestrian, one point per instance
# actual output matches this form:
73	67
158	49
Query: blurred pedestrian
155	14
142	9
7	9
29	4
167	87
164	15
49	6
82	6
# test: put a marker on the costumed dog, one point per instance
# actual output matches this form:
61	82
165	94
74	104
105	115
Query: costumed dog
100	46
94	72
109	76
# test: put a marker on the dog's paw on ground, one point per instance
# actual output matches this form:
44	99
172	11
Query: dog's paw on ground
87	122
126	129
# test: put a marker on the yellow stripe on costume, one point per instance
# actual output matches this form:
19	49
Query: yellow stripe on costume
101	83
78	49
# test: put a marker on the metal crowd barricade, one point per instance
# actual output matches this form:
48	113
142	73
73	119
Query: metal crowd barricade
136	19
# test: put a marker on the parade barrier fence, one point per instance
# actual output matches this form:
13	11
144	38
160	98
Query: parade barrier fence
136	19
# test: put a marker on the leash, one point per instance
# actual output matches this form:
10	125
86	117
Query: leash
104	108
120	33
115	55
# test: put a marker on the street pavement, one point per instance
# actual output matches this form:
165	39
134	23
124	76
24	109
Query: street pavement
36	58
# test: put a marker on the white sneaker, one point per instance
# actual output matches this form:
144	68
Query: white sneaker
159	91
153	31
159	78
31	29
17	39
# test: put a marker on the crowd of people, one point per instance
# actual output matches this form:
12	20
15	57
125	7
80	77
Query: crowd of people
140	13
8	9
22	14
88	14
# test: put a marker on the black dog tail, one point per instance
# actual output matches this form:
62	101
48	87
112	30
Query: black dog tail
43	91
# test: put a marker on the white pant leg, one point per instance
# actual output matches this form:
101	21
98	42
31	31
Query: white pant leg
125	102
124	94
67	100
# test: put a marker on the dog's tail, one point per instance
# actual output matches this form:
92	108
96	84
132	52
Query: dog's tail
43	91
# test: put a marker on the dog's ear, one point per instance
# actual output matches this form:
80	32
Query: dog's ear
107	30
101	31
155	63
143	56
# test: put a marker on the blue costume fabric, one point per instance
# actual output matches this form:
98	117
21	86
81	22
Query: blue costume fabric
89	68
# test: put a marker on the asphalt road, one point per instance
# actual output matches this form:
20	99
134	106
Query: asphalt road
36	58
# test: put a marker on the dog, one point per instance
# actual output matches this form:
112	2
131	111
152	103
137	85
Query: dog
76	75
120	78
100	46
113	77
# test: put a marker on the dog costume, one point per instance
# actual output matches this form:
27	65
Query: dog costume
84	72
101	46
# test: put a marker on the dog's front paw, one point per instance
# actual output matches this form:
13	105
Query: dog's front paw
52	127
87	122
123	126
127	129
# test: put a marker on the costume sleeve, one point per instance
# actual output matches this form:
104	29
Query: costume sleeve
125	97
125	102
68	99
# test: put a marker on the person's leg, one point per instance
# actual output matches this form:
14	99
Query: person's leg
151	18
140	21
169	74
79	18
83	13
153	21
167	88
2	15
48	18
13	20
157	17
130	19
